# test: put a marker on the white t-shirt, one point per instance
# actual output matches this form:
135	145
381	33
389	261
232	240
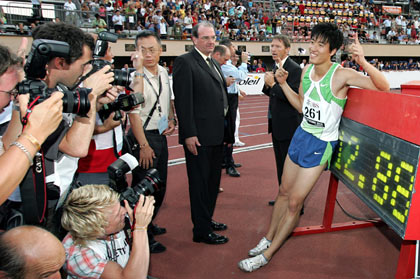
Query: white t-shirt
69	7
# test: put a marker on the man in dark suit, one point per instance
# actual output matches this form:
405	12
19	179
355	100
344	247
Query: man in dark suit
283	118
204	125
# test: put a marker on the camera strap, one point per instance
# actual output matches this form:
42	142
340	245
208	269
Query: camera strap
34	191
25	118
157	103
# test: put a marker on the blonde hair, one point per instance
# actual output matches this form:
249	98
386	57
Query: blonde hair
84	212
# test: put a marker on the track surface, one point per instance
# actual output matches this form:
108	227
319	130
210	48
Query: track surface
362	253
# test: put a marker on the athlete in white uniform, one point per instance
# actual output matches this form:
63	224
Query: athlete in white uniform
321	99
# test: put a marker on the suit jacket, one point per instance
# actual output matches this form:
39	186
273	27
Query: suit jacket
199	101
284	117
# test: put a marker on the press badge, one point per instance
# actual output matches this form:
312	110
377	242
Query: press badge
163	124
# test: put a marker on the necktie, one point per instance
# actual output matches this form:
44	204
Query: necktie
213	68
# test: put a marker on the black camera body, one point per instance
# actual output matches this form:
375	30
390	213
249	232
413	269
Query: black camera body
121	77
117	181
123	102
42	52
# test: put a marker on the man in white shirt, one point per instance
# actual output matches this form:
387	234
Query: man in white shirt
71	16
152	122
118	21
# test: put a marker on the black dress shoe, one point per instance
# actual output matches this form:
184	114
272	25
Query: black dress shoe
156	247
156	230
232	172
211	238
216	226
237	165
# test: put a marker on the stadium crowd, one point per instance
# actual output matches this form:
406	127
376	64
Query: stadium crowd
237	20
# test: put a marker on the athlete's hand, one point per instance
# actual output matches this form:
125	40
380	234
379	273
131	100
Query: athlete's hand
281	75
357	50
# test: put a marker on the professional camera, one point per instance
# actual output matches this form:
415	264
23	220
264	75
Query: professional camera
123	102
117	181
121	77
42	52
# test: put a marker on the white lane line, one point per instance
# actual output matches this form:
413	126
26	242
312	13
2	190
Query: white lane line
252	125
179	161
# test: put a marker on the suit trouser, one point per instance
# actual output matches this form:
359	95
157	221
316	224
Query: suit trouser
160	146
204	172
228	151
280	151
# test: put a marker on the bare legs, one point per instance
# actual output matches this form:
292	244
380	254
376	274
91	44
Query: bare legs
297	182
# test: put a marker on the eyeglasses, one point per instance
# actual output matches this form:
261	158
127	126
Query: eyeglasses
151	51
13	92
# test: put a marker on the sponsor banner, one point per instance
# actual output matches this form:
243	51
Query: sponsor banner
253	84
400	77
395	10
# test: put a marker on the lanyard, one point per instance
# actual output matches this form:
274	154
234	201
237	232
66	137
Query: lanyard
156	93
112	253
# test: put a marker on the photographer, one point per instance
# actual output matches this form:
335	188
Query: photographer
17	158
96	246
151	123
106	143
63	67
73	137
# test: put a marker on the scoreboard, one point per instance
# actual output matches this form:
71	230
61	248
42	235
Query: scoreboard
378	156
379	168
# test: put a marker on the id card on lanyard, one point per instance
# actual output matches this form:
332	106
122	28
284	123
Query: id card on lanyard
163	119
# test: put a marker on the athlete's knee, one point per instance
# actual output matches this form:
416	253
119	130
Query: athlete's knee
295	205
283	191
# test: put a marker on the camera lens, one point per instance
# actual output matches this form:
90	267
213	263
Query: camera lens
77	102
122	78
149	184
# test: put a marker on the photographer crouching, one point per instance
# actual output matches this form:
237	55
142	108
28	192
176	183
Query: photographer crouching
97	245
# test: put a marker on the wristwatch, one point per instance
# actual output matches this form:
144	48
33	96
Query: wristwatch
137	74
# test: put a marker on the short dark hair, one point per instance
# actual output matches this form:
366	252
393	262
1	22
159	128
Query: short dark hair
68	33
12	264
225	42
328	33
204	23
7	59
220	49
284	39
145	34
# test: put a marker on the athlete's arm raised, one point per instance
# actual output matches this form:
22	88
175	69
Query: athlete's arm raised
375	79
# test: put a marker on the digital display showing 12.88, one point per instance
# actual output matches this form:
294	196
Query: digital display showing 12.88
379	168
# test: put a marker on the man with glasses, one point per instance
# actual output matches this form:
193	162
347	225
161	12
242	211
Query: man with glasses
204	125
152	122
